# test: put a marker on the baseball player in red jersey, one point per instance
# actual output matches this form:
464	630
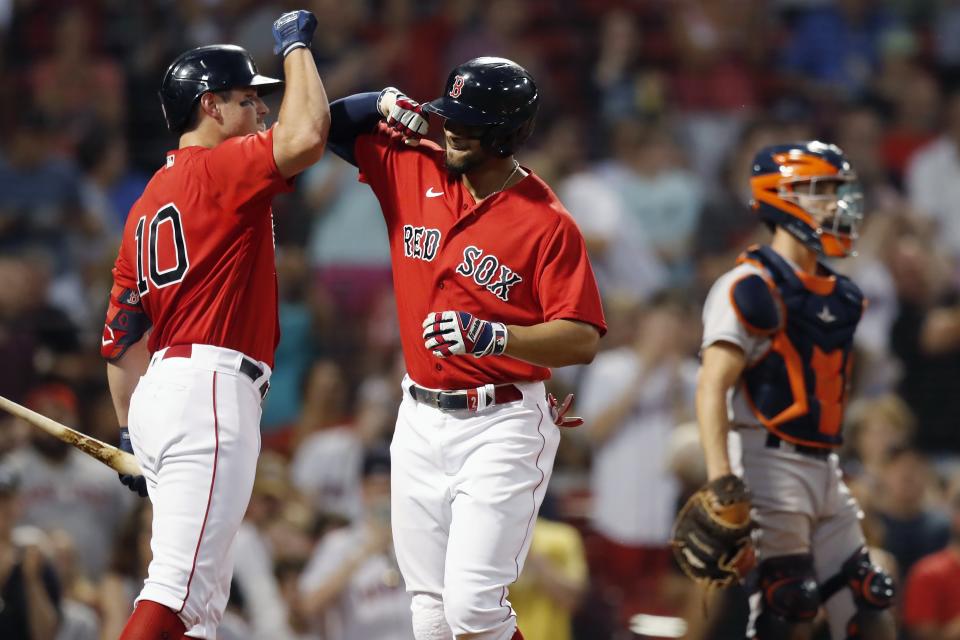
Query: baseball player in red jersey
493	288
197	264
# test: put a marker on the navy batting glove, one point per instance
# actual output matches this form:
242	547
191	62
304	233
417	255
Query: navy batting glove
457	333
137	484
293	30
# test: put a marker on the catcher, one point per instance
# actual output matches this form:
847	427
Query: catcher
778	331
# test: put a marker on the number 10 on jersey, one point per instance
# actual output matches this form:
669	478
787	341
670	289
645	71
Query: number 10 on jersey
169	215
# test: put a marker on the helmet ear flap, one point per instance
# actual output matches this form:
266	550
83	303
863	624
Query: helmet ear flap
503	141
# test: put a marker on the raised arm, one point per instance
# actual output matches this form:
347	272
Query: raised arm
303	123
359	114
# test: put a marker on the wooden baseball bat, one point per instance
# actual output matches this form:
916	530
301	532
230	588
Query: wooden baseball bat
118	460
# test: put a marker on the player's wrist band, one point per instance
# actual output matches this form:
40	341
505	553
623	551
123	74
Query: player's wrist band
292	46
500	335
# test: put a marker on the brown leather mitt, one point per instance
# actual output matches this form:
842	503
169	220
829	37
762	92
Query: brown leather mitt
711	536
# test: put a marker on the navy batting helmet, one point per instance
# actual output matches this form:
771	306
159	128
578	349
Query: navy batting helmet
784	185
217	67
491	92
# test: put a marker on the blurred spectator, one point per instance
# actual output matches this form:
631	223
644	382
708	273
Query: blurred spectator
712	38
78	619
836	47
295	352
554	578
39	192
945	25
109	187
911	528
631	399
29	588
931	600
661	198
861	131
915	121
726	220
327	459
127	570
74	86
875	427
624	263
327	465
288	574
352	581
348	246
626	87
254	557
933	180
926	338
63	488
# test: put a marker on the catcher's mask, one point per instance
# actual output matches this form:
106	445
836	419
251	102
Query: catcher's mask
811	190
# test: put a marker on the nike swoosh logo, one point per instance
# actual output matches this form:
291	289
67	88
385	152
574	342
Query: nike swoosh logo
433	194
106	342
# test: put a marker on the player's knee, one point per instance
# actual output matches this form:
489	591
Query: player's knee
789	593
872	588
429	622
476	614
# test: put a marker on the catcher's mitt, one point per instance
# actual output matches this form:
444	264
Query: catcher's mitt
711	536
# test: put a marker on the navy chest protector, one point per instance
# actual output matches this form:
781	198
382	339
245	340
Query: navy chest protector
798	388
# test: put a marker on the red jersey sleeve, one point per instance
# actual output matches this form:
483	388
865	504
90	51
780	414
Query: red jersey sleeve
374	152
921	598
566	286
243	169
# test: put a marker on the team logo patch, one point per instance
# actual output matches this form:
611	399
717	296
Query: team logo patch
487	271
457	87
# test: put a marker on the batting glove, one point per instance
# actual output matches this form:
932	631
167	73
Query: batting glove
405	116
293	30
458	333
559	412
137	484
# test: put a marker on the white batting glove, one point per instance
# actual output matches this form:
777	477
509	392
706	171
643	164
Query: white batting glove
458	333
403	114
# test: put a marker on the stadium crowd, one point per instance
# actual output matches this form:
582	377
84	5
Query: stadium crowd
651	112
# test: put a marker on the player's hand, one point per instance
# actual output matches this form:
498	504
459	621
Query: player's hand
458	333
558	411
293	30
403	115
137	484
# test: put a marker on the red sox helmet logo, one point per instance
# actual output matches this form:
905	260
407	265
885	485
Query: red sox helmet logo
457	87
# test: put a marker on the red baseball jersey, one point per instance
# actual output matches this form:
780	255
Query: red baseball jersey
516	257
198	248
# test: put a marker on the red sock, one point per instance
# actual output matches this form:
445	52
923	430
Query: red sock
153	621
517	635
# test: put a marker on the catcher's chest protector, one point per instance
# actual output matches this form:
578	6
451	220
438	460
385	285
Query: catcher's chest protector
798	389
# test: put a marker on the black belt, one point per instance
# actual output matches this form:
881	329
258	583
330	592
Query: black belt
776	442
248	367
466	399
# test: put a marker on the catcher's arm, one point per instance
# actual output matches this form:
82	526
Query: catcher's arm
722	364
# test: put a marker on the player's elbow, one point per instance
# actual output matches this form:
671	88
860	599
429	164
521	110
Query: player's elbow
584	348
296	148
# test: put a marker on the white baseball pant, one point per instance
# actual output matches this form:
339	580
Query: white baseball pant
466	488
195	430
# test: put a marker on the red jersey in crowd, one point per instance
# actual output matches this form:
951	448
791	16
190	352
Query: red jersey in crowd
932	594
